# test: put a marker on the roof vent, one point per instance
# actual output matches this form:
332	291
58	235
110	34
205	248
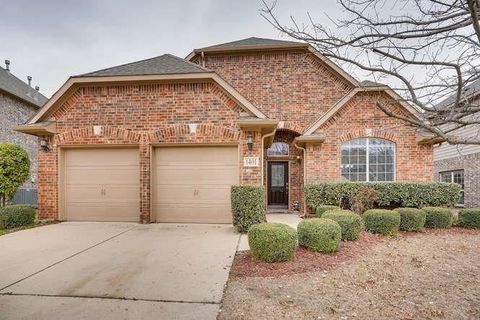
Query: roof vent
29	78
37	88
7	65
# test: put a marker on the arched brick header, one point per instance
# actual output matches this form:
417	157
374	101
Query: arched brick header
105	134
382	134
290	126
206	131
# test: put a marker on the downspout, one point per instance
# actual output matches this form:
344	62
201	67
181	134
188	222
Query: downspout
263	162
263	151
304	177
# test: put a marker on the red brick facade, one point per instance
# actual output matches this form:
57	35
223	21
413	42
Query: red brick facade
143	115
293	87
362	118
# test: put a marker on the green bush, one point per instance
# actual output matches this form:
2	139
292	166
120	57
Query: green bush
438	217
272	242
390	194
411	219
320	235
350	222
386	222
14	170
16	216
248	206
469	218
320	210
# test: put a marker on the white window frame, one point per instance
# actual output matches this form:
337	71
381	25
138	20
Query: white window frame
368	158
451	174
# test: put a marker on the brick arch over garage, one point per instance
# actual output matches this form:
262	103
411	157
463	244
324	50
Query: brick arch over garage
106	134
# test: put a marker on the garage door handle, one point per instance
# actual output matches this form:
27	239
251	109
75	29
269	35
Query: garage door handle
195	192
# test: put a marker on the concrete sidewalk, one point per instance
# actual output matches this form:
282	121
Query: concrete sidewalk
115	271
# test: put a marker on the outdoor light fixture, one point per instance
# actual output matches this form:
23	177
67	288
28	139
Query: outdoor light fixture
44	144
250	142
296	205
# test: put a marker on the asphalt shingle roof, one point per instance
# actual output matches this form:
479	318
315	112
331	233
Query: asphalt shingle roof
252	42
164	64
471	90
16	87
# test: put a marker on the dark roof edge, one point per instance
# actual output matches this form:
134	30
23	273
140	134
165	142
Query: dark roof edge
13	94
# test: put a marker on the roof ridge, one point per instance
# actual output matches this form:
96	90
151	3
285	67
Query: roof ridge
188	62
166	63
120	65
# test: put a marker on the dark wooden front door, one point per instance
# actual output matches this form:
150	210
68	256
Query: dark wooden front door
278	183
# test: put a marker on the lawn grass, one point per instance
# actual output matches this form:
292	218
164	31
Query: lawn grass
30	226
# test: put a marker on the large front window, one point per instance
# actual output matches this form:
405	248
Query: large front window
368	159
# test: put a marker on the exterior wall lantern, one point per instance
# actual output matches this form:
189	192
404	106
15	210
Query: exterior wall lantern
44	144
250	142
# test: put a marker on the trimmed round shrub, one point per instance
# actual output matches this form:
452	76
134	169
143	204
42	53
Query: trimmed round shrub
16	216
320	235
438	217
272	242
382	221
320	210
411	219
350	222
469	218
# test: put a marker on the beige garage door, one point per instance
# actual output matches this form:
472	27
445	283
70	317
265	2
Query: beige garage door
101	184
192	184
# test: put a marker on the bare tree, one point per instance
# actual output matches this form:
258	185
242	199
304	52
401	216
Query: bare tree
428	49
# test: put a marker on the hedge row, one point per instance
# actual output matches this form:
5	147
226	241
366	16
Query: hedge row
390	194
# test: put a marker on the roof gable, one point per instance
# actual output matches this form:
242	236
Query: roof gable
164	64
252	43
16	87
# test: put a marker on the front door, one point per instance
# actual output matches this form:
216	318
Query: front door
278	183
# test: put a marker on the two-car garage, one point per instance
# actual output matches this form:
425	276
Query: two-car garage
189	184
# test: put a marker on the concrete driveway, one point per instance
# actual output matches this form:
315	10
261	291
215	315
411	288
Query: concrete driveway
115	271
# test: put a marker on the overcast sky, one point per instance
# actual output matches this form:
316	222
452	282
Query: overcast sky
54	39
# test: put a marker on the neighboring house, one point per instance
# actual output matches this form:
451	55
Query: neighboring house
19	102
163	139
461	163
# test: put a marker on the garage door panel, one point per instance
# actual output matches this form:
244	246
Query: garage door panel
193	213
214	194
212	176
101	184
192	184
184	155
119	175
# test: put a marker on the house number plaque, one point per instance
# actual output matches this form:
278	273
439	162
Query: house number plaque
251	161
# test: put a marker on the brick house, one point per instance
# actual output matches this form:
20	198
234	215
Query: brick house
461	163
19	102
163	139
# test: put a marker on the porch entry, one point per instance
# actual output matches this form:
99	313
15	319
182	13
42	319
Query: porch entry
277	184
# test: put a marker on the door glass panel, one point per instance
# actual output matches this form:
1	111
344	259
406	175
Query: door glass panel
278	175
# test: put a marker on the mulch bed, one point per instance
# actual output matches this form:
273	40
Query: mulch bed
304	261
307	261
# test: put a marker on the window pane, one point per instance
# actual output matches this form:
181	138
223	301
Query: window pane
381	160
278	175
278	149
354	160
